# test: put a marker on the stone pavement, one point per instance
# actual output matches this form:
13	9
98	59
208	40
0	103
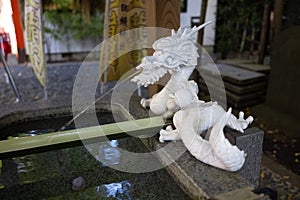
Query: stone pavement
61	80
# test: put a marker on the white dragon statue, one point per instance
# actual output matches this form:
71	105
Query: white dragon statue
177	54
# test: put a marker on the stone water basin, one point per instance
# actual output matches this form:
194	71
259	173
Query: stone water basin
183	179
49	175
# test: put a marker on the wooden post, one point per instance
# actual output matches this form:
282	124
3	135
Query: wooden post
19	30
195	74
165	14
278	9
202	21
263	35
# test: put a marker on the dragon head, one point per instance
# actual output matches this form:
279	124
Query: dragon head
172	54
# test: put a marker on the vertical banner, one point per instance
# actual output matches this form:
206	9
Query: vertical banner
34	36
120	16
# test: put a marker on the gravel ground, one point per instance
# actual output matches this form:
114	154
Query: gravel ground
61	80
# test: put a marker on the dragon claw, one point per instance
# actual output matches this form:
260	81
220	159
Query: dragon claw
162	134
249	119
161	140
241	115
168	135
144	102
169	128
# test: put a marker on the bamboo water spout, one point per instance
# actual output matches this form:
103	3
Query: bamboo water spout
64	139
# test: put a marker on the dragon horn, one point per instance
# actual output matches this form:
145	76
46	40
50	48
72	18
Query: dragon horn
184	33
203	25
196	29
179	30
173	32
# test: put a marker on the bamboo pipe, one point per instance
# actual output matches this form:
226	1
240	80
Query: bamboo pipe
63	139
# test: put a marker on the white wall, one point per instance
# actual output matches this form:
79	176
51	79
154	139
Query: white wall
193	10
69	45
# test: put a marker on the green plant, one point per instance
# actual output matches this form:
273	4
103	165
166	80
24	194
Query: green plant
238	25
66	20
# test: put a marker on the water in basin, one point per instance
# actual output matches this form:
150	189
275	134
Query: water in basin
49	175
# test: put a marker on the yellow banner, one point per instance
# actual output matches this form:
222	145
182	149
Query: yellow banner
33	25
123	15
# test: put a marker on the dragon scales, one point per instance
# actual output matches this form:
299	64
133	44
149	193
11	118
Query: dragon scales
177	54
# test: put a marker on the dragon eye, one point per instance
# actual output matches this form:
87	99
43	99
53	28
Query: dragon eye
169	60
158	53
